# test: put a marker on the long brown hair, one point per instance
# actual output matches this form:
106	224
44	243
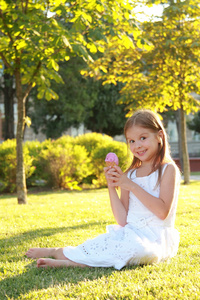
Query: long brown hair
149	119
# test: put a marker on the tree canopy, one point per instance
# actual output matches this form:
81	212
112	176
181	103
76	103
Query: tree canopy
164	66
81	100
33	39
166	73
76	97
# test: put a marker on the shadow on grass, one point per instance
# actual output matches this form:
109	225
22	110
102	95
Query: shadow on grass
25	237
49	191
35	279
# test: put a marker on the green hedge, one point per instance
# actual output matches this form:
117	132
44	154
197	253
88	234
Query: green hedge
66	163
8	164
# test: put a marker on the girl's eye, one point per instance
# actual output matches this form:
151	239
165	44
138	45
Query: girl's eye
131	141
143	138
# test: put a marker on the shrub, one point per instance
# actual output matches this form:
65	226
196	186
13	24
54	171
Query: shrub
8	164
64	140
35	148
91	141
64	165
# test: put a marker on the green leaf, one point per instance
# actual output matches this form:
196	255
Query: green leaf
40	95
66	42
48	94
20	44
92	47
100	8
27	121
55	65
87	17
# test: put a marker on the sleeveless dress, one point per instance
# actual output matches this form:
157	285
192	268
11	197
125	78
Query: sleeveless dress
145	239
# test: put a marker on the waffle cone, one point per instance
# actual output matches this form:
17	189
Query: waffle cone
110	164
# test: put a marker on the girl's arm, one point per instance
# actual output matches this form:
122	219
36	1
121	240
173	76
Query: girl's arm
159	206
119	205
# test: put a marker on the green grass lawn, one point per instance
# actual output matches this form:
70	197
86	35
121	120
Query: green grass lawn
56	219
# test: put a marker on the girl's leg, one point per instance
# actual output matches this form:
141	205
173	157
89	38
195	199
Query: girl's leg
57	253
55	263
59	261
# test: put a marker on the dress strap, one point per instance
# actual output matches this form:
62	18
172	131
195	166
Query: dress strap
130	173
164	168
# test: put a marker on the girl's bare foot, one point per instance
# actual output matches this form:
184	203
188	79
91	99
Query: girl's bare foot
45	252
39	252
55	263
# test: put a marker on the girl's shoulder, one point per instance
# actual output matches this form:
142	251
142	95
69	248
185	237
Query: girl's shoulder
171	164
167	168
170	168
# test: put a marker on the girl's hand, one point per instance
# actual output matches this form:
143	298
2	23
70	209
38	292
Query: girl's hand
115	177
107	175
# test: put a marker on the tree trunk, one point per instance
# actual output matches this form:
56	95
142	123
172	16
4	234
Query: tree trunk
8	106
20	175
186	162
178	126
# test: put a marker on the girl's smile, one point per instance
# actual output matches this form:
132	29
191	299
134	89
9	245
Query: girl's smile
141	153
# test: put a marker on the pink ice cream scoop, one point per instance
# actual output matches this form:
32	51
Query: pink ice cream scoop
111	159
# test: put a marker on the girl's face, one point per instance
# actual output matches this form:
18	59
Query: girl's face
143	142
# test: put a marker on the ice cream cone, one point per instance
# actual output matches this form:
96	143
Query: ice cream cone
110	164
111	160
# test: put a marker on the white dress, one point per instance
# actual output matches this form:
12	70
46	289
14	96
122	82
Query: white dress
145	239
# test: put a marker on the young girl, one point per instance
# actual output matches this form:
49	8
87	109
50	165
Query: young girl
145	211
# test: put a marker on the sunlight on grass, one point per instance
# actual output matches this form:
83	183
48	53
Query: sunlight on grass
68	218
